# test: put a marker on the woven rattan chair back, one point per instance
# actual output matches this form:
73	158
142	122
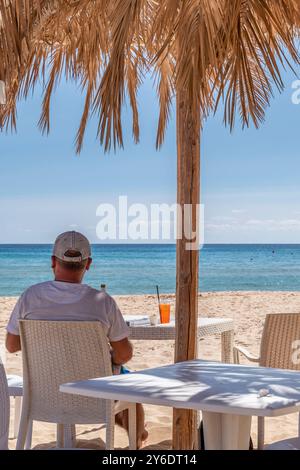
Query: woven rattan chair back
56	352
280	341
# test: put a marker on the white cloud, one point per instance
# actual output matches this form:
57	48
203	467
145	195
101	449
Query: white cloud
260	222
238	211
223	218
256	225
272	224
219	227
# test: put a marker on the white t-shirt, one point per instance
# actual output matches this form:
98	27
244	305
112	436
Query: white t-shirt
55	300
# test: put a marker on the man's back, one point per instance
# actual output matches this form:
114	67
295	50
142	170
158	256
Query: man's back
66	301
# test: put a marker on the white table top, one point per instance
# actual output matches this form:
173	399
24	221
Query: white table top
203	321
201	385
206	327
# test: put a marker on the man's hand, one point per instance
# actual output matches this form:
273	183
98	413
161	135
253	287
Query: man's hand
121	351
13	343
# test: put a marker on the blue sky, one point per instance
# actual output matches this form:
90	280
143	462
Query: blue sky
249	179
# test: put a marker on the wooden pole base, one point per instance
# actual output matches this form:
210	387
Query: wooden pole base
187	260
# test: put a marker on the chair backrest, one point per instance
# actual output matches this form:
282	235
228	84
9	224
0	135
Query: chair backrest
4	409
56	352
280	341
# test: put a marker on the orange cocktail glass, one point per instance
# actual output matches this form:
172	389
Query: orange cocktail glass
165	313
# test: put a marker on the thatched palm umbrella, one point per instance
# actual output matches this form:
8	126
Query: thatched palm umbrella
202	51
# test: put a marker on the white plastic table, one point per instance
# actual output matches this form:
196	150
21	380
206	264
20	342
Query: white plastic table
206	327
227	394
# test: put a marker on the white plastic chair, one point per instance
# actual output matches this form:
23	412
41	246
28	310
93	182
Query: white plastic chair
280	337
56	352
15	390
4	409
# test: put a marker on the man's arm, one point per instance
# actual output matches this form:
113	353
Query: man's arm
13	343
121	351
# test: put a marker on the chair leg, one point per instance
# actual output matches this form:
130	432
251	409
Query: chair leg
29	435
260	432
4	442
132	426
23	430
17	418
110	425
59	436
236	356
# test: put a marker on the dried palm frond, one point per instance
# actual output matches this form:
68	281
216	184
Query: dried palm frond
261	40
213	49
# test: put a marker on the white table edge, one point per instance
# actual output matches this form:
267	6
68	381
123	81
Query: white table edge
109	395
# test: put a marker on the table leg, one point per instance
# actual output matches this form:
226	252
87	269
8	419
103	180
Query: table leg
226	432
227	346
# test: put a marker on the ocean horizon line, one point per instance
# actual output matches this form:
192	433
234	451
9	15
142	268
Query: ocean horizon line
158	244
138	268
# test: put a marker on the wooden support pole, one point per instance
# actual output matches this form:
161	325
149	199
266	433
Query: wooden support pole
187	260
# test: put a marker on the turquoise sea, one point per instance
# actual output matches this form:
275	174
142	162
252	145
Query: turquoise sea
136	269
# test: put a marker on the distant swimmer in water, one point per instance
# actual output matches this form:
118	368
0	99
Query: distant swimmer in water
273	251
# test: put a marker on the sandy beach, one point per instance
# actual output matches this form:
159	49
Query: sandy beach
248	310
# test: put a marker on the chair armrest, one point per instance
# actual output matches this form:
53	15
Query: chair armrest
237	350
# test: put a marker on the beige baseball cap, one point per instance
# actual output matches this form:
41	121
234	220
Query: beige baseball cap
74	241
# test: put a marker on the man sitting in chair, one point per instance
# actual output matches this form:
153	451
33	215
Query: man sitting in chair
66	298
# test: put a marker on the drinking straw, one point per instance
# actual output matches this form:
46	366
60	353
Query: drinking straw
157	290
